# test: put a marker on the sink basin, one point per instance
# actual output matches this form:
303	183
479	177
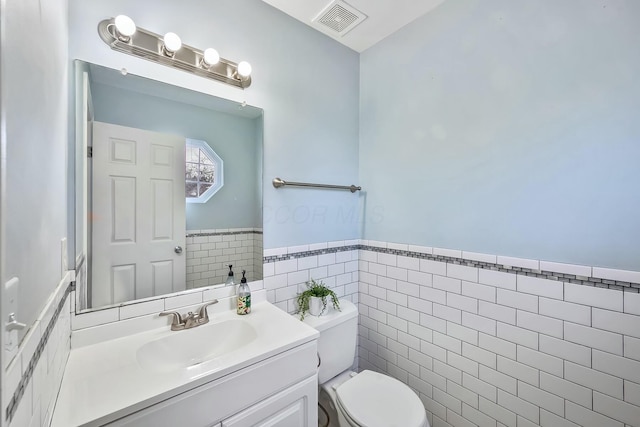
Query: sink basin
191	347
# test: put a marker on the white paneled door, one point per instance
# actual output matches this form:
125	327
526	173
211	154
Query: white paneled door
138	214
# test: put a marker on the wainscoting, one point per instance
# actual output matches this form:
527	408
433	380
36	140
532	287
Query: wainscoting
484	340
496	341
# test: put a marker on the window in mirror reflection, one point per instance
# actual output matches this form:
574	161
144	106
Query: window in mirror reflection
203	172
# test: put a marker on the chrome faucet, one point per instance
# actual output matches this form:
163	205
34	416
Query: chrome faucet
190	320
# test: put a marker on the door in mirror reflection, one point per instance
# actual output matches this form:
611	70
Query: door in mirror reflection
138	213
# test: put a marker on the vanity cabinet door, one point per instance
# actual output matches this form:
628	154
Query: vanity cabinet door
296	406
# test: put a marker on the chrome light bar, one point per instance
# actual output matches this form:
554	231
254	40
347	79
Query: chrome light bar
153	47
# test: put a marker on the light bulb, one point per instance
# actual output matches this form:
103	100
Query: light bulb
172	42
125	25
211	57
244	69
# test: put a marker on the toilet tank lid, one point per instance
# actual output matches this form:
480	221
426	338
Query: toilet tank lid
332	317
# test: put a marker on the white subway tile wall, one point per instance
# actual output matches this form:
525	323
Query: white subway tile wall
284	278
493	348
36	402
39	365
209	252
480	347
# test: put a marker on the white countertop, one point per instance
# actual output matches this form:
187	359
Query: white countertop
104	381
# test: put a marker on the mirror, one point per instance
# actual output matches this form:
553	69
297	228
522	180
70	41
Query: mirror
141	147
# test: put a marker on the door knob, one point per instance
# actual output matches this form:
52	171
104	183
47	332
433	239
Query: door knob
178	249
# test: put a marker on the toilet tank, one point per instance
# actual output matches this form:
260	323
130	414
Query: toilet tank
337	342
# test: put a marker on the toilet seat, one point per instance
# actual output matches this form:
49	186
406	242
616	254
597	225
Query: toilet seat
345	415
371	399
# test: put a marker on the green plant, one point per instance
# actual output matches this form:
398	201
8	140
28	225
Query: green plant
315	289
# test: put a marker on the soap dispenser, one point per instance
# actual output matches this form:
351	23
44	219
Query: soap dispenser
230	280
244	296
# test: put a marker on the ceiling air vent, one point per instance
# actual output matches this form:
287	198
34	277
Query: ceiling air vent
338	18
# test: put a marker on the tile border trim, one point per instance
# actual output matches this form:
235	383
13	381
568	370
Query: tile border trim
544	274
304	254
222	233
28	372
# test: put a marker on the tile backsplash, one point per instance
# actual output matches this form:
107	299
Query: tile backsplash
286	270
496	341
483	339
34	376
209	252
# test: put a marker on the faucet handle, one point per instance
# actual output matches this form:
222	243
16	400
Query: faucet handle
191	320
202	313
177	318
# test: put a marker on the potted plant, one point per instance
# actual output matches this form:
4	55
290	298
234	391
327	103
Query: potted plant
314	299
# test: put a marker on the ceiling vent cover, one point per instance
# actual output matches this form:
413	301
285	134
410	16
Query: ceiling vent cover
338	18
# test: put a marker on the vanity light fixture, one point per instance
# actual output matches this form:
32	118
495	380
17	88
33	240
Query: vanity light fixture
122	35
211	57
244	70
171	44
125	27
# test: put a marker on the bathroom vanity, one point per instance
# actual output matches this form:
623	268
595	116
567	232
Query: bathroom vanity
259	369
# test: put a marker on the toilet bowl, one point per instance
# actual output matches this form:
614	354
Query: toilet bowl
365	399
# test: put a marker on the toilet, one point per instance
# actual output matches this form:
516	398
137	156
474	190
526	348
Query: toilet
365	399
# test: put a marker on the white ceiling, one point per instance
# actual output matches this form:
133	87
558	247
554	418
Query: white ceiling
384	17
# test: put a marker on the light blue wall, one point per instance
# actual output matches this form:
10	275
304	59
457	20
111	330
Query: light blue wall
233	138
34	150
306	83
509	128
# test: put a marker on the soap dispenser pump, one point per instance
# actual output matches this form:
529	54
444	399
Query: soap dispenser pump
244	296
230	280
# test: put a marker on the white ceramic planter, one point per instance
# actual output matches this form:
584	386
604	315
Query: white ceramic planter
315	306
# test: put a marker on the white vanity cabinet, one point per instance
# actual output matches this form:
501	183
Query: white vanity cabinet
279	391
289	408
